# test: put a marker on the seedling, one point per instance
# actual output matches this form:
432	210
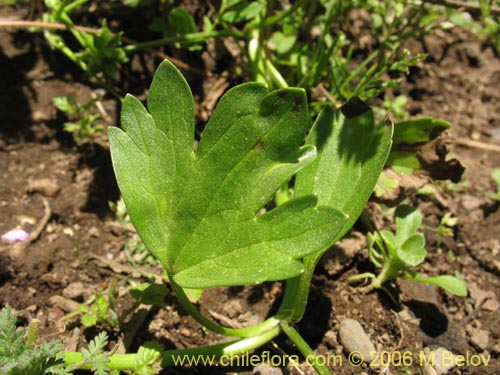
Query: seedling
99	309
83	125
446	224
396	255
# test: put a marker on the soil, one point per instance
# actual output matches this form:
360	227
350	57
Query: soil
60	190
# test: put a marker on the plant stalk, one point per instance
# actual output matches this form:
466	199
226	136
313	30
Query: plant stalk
207	355
249	332
304	348
187	38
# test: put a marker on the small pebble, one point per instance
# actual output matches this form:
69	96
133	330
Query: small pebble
64	304
353	338
471	203
185	332
74	290
440	365
480	338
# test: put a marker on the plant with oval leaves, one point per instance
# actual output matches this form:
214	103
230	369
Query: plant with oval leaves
396	253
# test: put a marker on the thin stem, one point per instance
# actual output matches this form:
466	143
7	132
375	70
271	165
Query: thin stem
218	351
272	20
120	362
59	9
192	310
47	25
207	355
257	59
187	38
276	75
304	349
75	4
294	301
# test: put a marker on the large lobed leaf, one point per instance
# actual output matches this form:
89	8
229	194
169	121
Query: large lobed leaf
197	212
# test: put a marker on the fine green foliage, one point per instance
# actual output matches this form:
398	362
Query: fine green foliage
20	357
395	254
95	355
149	359
101	52
197	212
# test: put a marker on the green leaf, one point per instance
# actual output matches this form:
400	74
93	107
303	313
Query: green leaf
387	241
283	43
139	3
412	251
352	150
181	21
148	359
408	221
242	11
150	294
419	130
66	104
89	319
102	305
266	248
197	212
449	283
403	162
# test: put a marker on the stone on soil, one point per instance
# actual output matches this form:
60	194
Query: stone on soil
439	363
353	338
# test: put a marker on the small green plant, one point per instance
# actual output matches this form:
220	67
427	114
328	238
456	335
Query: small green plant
99	309
22	354
19	353
396	255
445	226
83	125
101	52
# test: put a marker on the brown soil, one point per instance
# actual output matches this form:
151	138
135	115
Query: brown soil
83	242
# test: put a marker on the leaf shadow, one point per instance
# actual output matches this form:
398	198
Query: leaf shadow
359	138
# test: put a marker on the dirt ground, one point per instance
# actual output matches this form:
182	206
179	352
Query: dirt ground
60	191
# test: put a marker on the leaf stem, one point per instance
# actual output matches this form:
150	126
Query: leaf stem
296	293
304	348
206	355
192	310
232	348
187	38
